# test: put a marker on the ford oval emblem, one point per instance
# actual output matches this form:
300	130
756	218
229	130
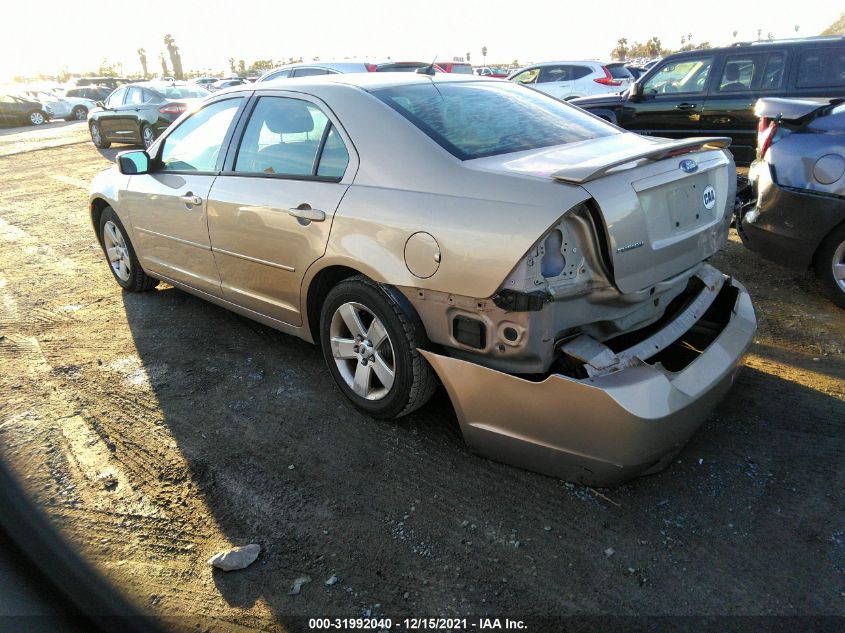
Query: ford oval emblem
688	165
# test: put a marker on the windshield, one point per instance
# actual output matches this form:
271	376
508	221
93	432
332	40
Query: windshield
473	120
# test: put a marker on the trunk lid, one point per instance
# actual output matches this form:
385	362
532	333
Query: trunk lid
665	204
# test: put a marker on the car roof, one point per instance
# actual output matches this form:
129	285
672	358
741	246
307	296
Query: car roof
571	61
741	47
370	81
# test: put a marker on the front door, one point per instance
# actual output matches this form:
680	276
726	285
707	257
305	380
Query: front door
108	116
168	207
270	213
672	100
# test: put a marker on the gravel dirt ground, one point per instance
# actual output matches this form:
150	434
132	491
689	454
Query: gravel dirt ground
157	429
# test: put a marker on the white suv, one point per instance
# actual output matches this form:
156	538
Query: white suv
568	80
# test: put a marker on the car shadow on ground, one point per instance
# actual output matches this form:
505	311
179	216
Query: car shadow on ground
18	129
414	524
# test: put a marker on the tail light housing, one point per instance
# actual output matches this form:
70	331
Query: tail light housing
608	79
173	108
766	129
371	68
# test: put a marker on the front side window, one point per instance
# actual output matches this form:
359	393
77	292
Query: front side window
116	98
685	76
473	120
284	137
195	144
528	76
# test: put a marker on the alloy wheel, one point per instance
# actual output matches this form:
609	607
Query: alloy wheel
95	134
81	114
36	118
116	250
148	137
362	350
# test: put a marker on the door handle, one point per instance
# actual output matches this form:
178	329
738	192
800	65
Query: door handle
685	106
191	199
305	212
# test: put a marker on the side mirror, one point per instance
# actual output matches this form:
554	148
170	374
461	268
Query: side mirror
636	93
133	162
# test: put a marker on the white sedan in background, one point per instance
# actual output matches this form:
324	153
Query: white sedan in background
68	108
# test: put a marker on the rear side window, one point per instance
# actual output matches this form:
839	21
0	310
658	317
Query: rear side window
195	144
739	72
291	137
821	67
462	69
618	71
308	72
473	120
773	72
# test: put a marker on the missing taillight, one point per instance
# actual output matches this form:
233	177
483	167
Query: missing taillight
765	137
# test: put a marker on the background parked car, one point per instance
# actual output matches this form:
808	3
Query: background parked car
204	81
798	220
139	113
94	93
16	110
489	71
227	82
62	107
328	68
462	68
713	91
571	79
111	82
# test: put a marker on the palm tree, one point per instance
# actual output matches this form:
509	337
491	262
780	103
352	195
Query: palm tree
232	64
175	58
164	71
142	55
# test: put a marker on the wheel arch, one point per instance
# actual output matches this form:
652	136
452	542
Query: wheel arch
97	205
822	243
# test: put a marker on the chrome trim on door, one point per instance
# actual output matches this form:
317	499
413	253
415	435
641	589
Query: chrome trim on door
290	269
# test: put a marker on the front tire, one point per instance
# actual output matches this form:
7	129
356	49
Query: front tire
37	118
371	348
830	266
120	254
97	136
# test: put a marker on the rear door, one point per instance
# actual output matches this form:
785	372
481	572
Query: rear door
168	206
673	99
729	108
271	210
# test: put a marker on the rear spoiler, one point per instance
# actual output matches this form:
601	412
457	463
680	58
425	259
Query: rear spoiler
599	166
797	110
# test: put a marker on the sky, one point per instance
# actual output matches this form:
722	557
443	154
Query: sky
78	35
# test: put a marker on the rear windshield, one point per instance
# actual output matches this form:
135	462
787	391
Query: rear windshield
182	92
477	119
464	69
618	71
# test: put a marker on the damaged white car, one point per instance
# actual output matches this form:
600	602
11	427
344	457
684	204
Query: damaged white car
547	267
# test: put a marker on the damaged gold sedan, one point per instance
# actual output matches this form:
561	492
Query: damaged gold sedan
547	267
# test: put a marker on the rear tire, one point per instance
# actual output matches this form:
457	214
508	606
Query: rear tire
97	136
147	136
120	255
830	266
79	113
371	348
36	118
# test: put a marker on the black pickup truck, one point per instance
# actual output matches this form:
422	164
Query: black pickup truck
712	92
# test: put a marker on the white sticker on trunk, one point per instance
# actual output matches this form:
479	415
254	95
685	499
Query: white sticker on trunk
709	197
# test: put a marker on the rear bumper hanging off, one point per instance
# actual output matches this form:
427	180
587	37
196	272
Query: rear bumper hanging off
611	426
